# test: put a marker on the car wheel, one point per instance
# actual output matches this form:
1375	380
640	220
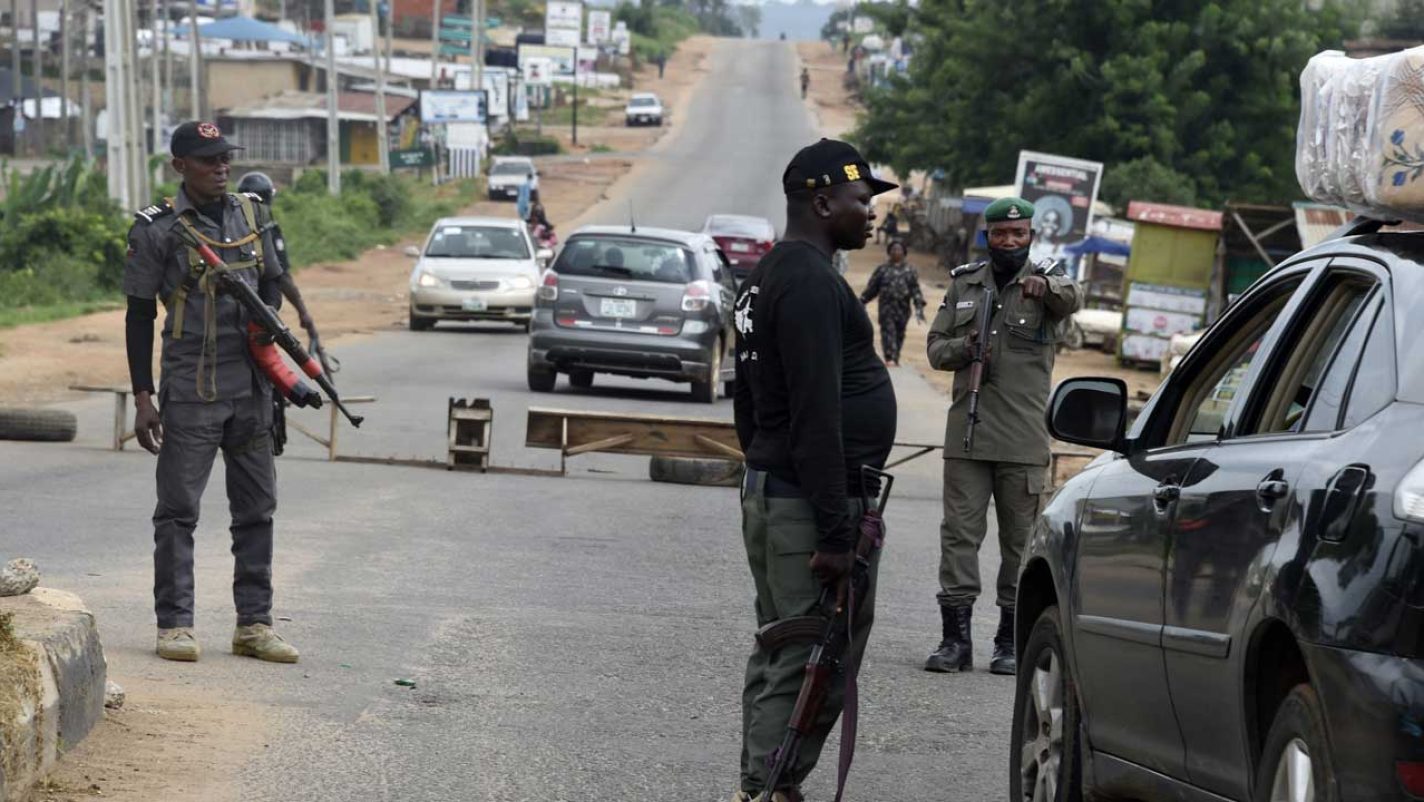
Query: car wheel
705	390
729	389
1295	764
527	325
421	323
582	379
1072	338
541	380
1045	760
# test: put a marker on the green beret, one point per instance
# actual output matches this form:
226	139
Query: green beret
1008	209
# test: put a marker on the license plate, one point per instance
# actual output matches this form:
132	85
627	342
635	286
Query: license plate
618	307
741	247
474	305
511	191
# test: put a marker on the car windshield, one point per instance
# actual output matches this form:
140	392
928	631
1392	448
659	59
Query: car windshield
477	242
625	258
510	168
643	101
741	227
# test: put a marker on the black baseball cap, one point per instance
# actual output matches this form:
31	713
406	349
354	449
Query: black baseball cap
827	163
199	139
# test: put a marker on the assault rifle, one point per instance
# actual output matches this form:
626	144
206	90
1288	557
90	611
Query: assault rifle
830	635
979	356
265	319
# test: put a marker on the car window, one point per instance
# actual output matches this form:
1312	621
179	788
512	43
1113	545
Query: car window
627	258
1373	386
1208	395
511	168
644	101
1329	397
741	227
1307	348
477	242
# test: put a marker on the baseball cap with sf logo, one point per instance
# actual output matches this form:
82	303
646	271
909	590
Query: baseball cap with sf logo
827	163
199	139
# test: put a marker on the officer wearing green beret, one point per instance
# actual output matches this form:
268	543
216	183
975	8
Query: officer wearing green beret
1033	302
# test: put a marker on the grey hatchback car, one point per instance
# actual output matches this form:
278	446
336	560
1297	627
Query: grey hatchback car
639	302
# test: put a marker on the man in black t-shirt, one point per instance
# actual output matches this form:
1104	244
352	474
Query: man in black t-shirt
813	404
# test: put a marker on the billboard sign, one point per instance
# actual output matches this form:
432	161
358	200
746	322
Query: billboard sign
600	26
447	106
563	14
561	37
1062	191
561	59
538	71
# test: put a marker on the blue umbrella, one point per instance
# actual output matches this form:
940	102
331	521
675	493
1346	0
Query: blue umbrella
1098	245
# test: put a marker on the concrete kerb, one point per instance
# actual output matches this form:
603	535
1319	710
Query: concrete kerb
62	700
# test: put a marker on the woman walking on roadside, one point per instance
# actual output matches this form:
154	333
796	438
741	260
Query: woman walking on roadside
897	285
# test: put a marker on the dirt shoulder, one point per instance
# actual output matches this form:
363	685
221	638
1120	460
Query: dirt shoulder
349	299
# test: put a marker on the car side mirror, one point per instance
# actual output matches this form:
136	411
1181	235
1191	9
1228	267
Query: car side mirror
1089	412
412	251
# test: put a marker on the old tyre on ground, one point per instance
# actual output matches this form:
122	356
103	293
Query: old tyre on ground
421	323
542	380
1045	760
684	471
1295	763
50	425
582	379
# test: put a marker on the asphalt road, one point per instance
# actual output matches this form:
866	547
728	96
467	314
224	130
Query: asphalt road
571	638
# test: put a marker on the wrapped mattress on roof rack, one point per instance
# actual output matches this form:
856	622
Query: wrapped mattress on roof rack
1361	138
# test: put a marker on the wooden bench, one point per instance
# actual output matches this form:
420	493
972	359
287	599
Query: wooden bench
335	423
576	432
122	433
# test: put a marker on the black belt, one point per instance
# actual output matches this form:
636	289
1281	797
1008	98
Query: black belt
776	487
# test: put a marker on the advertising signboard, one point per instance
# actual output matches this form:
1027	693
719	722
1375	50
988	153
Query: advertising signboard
563	14
600	26
561	37
446	106
561	59
1062	191
538	71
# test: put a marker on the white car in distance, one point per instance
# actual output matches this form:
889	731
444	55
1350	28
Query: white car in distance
507	173
474	269
644	108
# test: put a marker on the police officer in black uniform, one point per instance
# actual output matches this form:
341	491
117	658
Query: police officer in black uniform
212	396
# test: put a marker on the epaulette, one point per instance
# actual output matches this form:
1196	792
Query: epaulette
150	213
965	269
253	196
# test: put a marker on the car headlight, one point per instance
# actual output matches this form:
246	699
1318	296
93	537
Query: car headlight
521	283
429	280
1409	495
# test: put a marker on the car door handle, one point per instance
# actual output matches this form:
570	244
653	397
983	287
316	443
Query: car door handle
1342	499
1164	494
1269	491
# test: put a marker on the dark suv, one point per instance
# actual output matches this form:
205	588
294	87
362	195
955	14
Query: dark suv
1229	604
644	302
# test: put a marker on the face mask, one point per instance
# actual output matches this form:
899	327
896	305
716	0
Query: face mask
1005	260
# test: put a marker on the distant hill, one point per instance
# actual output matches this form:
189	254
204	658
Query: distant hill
800	21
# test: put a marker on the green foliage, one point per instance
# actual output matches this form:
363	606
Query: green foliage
657	29
526	143
1407	22
1146	179
1206	90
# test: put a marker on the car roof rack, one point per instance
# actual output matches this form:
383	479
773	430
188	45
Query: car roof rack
1360	225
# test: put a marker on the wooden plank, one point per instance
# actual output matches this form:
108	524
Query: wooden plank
650	435
726	451
600	445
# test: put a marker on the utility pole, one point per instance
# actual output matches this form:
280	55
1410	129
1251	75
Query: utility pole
127	176
477	51
37	65
168	93
86	108
194	46
383	143
64	83
15	61
434	41
157	97
333	122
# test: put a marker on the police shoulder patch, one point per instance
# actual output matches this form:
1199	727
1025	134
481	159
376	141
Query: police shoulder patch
148	214
1050	267
966	269
254	196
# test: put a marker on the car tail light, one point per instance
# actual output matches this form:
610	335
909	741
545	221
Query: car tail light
696	296
1411	777
1409	495
765	246
549	287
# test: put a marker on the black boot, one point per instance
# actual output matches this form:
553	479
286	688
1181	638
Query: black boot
1004	661
954	652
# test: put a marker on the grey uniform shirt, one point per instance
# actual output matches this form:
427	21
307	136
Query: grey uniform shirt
158	263
1015	388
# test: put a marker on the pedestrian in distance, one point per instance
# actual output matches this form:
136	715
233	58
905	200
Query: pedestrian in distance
897	285
805	81
661	61
812	405
212	396
890	226
1009	456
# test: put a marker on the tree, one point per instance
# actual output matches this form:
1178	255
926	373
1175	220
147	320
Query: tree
1208	90
1146	179
1407	22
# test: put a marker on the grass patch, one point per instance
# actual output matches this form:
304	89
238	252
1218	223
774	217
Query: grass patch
23	315
600	149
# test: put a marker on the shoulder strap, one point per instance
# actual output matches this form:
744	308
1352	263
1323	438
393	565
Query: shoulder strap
966	269
248	201
149	214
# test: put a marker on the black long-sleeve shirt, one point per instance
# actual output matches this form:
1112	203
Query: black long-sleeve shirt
813	401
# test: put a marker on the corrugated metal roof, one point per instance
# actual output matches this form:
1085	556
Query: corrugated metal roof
1316	221
1164	214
